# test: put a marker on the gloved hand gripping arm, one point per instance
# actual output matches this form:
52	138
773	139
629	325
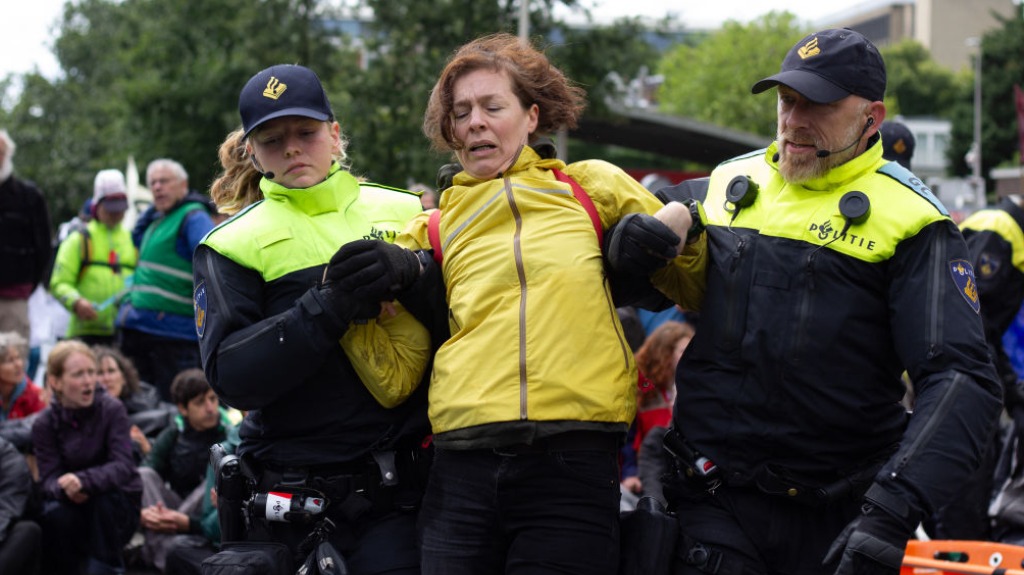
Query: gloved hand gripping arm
641	243
373	270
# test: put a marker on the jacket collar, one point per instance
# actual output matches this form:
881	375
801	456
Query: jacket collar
528	158
337	191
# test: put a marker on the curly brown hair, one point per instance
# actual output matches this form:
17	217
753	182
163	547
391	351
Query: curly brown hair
534	81
655	356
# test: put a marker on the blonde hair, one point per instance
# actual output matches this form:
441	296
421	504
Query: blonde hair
61	352
534	81
238	185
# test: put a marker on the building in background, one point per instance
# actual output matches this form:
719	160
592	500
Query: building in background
941	26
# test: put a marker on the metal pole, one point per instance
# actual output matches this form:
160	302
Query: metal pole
979	181
524	20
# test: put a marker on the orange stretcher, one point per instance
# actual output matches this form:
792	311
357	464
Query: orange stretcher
962	558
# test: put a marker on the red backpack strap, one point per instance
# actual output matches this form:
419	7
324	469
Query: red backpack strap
581	196
434	234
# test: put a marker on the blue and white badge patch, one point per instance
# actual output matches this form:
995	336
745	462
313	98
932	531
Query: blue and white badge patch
199	304
963	277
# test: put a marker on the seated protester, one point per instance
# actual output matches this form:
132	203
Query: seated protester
187	552
20	399
142	401
173	473
88	482
20	537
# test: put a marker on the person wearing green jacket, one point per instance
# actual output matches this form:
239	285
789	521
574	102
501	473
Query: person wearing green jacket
93	264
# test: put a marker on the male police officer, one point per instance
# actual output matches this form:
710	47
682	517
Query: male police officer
830	272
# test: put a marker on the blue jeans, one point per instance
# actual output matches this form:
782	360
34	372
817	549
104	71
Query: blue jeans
486	512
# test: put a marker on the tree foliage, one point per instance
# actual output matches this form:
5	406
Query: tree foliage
406	46
916	84
711	81
150	79
1002	66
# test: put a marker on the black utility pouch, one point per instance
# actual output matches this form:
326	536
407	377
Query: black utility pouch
648	539
250	558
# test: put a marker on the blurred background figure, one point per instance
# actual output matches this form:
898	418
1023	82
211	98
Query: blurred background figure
20	537
94	262
20	398
24	241
897	142
429	197
148	414
156	320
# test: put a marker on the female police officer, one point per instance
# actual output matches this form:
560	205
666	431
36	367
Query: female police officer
319	372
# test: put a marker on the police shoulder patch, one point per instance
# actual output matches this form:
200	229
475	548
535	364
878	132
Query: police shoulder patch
988	265
199	303
963	277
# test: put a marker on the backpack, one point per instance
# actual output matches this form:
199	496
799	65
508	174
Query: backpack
434	223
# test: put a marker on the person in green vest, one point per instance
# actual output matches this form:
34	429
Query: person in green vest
93	263
155	322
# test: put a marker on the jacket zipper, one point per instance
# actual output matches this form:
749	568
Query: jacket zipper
731	330
517	249
937	311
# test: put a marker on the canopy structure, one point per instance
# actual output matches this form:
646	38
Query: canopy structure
672	136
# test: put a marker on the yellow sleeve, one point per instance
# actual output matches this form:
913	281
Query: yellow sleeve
684	280
615	194
415	235
66	266
389	354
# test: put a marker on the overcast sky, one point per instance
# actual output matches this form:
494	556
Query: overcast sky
29	31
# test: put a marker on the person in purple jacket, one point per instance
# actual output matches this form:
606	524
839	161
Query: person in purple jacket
90	487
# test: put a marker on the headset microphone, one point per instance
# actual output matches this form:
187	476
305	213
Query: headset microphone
827	153
259	168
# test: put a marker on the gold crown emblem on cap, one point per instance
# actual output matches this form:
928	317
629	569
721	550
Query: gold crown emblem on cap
809	49
274	88
900	146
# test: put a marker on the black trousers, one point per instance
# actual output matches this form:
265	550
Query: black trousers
159	359
21	551
745	531
94	532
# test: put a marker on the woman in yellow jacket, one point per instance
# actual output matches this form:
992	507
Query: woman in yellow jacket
533	392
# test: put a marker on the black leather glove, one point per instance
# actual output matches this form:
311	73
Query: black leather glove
874	542
373	270
640	244
343	307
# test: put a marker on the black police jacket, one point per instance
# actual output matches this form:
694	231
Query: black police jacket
812	314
